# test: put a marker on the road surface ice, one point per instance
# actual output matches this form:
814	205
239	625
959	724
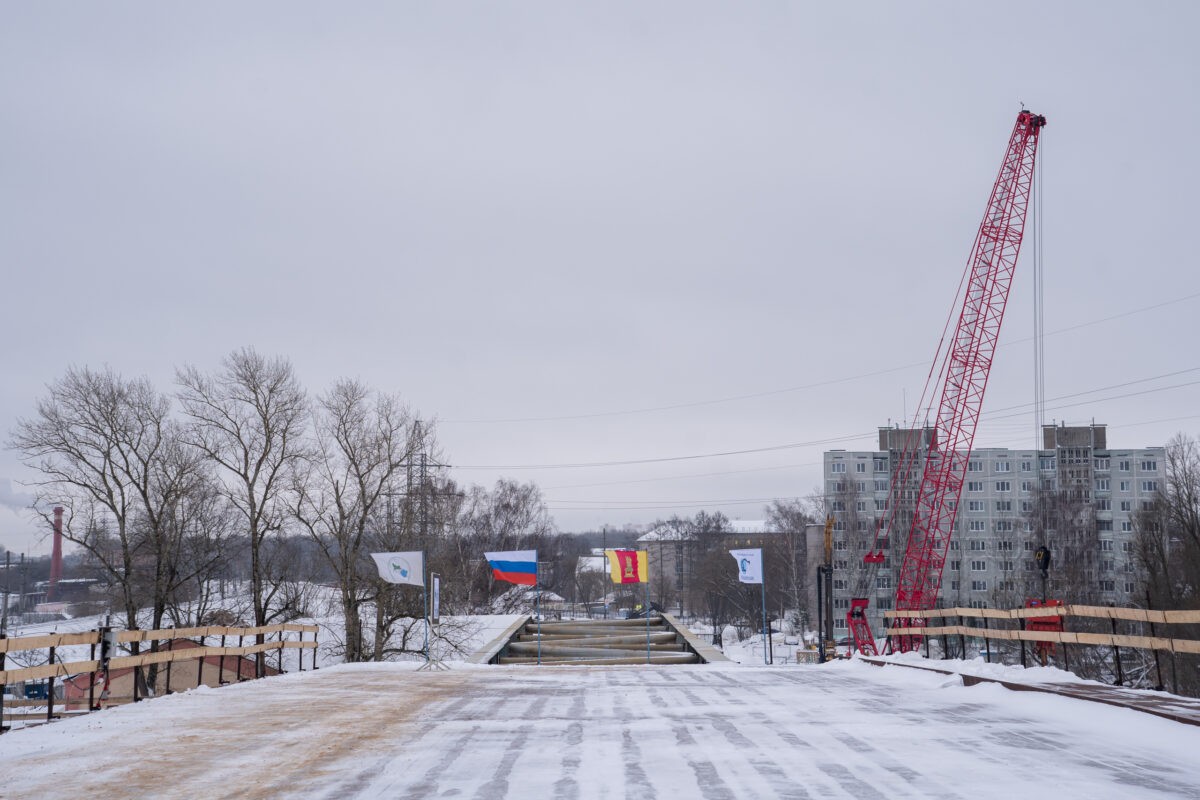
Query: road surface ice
714	731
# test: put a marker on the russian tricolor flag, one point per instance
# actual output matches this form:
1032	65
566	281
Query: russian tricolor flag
514	566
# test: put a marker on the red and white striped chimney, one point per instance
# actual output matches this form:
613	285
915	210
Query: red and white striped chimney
56	556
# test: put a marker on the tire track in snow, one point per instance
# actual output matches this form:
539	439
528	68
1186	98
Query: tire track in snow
567	787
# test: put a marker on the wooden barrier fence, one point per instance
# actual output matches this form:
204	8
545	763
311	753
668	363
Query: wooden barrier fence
1016	615
56	668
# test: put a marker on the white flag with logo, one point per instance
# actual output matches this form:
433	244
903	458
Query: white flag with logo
749	565
401	567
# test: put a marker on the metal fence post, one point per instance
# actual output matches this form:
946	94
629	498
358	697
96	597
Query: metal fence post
1117	654
221	664
92	682
987	643
200	666
50	690
1022	642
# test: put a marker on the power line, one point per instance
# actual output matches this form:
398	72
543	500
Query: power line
632	462
851	437
680	477
793	389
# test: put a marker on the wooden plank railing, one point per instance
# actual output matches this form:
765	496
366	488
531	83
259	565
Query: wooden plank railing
1170	644
61	669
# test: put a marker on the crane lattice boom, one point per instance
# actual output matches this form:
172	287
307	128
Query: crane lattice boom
964	379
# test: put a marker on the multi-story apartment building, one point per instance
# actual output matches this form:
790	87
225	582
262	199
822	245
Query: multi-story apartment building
1076	495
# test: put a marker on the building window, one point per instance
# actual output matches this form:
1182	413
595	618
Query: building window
975	505
954	544
974	466
861	505
861	466
1004	526
840	544
1003	486
1126	547
838	505
974	486
978	544
980	586
978	525
1026	486
1127	505
837	467
1106	566
1107	586
954	586
1129	587
1102	464
1149	486
1104	525
1124	486
881	465
1103	504
1149	465
881	486
839	583
979	566
1004	545
1102	485
1002	466
1026	466
841	602
1106	545
883	582
880	505
1123	465
1046	463
955	566
860	486
1126	527
1006	566
1004	505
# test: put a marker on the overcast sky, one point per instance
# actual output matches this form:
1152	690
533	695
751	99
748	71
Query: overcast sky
600	232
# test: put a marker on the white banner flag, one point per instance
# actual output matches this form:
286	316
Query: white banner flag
401	567
749	565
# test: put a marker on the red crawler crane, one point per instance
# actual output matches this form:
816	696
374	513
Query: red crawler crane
962	379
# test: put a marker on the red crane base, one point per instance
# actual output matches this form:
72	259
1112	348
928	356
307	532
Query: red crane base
860	630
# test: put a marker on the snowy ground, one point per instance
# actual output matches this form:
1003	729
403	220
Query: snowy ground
844	729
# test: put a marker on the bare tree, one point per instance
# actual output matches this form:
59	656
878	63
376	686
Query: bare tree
790	520
512	516
109	454
362	443
1167	546
250	418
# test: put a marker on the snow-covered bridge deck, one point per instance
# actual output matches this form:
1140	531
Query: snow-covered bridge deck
713	731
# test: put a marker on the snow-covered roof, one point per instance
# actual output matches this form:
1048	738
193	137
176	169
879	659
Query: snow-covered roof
665	534
750	526
591	564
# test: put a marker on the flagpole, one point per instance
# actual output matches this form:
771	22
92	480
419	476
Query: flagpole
537	607
646	610
425	603
764	606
